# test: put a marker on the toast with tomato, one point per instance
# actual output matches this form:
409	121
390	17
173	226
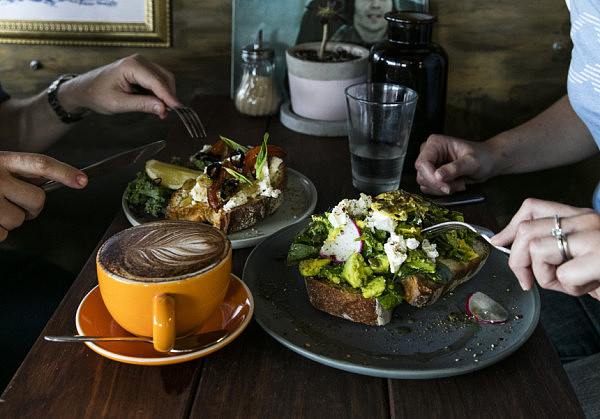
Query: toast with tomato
238	187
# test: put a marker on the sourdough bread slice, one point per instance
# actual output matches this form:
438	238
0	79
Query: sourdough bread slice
348	303
420	291
235	219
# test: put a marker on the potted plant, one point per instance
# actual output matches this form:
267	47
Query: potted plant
318	72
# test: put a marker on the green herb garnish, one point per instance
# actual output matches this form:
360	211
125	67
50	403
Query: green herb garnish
146	196
233	145
239	176
262	156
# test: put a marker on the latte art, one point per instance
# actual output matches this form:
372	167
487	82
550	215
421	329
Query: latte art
164	251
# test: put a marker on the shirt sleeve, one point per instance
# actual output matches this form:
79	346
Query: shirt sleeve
3	95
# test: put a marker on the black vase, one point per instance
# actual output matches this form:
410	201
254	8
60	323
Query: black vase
409	57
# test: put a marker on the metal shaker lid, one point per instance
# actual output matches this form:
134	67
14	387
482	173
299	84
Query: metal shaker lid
256	52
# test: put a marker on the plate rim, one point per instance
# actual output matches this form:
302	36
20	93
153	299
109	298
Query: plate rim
384	372
251	241
169	359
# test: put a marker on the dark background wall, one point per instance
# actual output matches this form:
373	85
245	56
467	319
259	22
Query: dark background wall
508	61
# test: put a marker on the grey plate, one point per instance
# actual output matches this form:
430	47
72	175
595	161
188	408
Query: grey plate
438	341
299	202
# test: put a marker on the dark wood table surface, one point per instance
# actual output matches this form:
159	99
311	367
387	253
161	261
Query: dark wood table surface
255	376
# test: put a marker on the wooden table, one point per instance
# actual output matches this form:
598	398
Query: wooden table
255	376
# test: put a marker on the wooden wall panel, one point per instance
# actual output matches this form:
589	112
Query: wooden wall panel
508	61
503	67
199	55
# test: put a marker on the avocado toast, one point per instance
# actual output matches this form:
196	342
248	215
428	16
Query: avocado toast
367	255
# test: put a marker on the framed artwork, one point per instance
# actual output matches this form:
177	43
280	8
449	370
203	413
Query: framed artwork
287	23
140	23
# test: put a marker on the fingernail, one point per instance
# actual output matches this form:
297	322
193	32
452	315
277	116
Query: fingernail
525	287
82	180
157	110
445	189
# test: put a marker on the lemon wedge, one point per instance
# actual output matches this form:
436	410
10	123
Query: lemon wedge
171	175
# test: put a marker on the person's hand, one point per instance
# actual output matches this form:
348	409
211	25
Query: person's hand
115	88
535	254
20	198
446	164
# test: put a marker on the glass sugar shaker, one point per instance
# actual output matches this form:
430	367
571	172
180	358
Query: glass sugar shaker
257	94
410	58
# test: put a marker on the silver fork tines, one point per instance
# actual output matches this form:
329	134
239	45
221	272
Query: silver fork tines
457	225
191	121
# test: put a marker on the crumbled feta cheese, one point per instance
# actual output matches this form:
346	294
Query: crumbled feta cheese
356	209
396	251
339	214
235	201
430	249
379	221
274	164
198	193
359	208
412	243
262	187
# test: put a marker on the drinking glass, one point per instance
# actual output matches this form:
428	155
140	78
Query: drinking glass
380	117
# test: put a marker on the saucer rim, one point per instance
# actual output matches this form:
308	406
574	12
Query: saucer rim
166	360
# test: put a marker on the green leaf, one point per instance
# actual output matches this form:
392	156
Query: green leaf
391	298
239	176
262	156
233	145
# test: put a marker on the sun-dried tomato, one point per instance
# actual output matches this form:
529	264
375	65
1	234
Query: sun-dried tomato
252	154
214	193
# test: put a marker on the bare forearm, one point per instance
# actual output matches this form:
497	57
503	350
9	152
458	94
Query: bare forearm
555	137
32	125
29	124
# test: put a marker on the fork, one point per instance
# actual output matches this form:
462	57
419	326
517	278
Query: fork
188	116
191	121
458	225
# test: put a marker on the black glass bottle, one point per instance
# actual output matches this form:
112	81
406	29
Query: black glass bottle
409	57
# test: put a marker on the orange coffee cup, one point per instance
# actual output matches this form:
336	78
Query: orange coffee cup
164	279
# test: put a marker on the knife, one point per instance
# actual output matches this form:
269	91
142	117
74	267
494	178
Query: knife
117	161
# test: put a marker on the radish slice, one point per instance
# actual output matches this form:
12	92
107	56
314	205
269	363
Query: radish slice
484	309
344	244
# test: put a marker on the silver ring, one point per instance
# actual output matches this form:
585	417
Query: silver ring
567	253
561	239
557	230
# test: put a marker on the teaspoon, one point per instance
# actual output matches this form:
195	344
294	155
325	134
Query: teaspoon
182	345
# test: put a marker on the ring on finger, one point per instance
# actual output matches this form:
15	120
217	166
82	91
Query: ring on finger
557	230
565	244
561	239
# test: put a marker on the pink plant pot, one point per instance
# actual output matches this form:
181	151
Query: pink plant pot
317	88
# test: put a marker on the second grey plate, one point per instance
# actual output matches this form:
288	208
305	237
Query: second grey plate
299	202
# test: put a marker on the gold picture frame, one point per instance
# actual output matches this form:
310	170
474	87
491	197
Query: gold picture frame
151	26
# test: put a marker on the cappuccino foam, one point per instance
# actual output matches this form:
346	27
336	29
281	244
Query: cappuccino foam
166	250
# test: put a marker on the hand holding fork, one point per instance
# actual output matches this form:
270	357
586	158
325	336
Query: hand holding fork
188	116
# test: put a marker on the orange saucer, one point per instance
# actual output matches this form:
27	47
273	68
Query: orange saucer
93	319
